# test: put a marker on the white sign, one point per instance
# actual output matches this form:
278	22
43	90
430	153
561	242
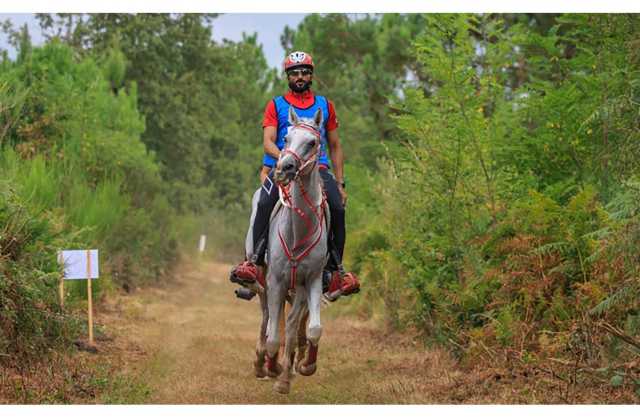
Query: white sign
203	242
79	264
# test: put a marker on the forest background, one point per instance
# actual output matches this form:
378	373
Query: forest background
492	170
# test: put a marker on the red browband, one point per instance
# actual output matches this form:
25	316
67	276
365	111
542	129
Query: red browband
308	128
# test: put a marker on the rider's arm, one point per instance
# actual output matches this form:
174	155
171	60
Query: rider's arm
269	136
335	149
337	157
270	130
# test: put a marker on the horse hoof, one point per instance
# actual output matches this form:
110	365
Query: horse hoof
306	370
282	387
275	371
260	371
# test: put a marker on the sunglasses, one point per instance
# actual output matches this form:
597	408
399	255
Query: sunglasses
299	73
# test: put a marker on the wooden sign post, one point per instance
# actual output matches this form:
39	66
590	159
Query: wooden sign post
80	264
61	287
201	245
89	297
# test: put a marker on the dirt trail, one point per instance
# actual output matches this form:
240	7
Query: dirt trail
197	342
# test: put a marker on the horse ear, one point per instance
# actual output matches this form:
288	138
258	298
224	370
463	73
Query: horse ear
293	117
318	118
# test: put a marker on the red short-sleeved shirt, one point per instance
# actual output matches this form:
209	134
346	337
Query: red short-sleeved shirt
299	100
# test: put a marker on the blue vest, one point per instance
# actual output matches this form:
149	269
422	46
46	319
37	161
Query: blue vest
282	110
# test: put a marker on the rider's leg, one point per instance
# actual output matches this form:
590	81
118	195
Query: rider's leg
338	233
247	271
268	199
349	282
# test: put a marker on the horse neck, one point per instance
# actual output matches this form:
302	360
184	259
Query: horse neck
311	185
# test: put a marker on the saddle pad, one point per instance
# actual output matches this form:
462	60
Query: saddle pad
275	211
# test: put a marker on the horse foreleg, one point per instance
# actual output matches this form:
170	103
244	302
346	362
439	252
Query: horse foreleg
261	349
275	299
314	330
302	338
284	312
283	384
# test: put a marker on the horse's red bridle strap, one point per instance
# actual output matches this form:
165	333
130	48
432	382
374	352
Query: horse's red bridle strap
308	128
318	211
319	214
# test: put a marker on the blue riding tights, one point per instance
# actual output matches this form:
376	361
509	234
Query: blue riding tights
269	197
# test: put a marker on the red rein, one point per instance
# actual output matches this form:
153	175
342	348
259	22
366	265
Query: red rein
318	212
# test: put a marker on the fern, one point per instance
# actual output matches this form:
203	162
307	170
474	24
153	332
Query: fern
625	205
629	291
546	249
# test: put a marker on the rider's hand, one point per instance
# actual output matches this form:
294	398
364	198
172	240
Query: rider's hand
343	195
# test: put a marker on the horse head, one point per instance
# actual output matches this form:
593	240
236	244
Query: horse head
302	148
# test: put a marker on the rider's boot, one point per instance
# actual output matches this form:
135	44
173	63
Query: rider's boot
246	273
347	283
335	278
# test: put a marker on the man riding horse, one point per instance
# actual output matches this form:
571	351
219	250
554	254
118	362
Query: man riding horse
299	69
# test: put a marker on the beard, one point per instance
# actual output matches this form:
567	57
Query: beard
306	85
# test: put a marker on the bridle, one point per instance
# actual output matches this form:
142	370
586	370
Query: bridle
313	157
317	210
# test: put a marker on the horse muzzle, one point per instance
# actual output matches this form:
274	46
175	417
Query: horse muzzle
286	171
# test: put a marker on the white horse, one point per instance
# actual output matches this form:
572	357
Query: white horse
297	254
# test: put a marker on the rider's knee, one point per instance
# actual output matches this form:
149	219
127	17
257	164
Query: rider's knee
265	204
337	212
